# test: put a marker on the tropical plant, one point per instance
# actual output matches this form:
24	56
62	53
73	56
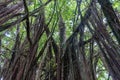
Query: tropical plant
60	40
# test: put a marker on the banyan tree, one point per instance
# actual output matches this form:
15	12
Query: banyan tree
59	40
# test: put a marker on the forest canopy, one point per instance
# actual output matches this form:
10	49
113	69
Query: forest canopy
59	40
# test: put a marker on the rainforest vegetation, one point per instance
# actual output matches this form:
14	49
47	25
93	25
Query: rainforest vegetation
59	39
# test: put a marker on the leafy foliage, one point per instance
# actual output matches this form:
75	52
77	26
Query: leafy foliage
59	40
